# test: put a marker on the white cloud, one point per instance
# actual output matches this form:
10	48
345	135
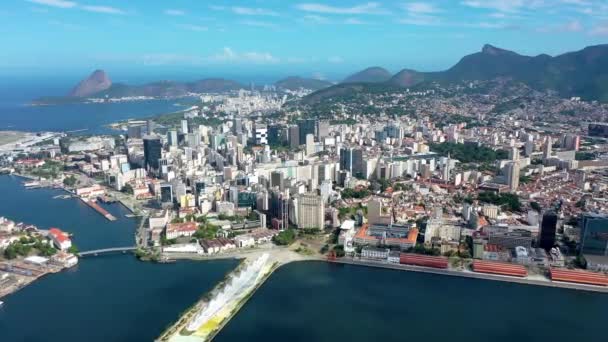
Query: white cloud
600	30
55	3
73	4
421	7
335	59
355	21
175	12
316	19
499	5
572	26
421	14
366	8
576	2
102	9
229	55
257	23
226	56
254	11
420	20
195	28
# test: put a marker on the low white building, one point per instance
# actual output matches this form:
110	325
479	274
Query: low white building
243	241
194	248
394	257
375	253
36	260
64	259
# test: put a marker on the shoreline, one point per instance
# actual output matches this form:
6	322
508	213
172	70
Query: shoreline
471	275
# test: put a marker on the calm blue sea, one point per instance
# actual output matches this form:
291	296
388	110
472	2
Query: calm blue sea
105	298
16	113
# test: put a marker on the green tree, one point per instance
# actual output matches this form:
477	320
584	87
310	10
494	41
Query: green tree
127	189
73	249
69	181
535	206
285	238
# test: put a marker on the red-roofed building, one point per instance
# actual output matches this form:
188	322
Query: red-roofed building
30	162
60	239
175	230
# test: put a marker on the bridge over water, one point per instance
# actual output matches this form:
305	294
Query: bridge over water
102	251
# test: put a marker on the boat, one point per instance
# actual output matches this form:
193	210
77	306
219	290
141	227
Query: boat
31	184
1	303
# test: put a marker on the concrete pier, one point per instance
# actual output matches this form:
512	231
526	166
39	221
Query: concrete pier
99	209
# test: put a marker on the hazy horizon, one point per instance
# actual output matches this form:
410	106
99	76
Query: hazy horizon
247	39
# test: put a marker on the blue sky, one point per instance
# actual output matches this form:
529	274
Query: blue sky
256	38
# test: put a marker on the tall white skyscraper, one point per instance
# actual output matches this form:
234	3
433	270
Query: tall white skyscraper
310	144
311	211
512	169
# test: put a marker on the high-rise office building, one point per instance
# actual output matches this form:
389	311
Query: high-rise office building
277	179
238	126
514	154
166	193
310	144
311	211
594	234
351	160
261	134
185	126
548	228
548	148
512	171
294	136
279	209
305	127
274	134
152	152
150	127
571	142
134	132
322	130
172	138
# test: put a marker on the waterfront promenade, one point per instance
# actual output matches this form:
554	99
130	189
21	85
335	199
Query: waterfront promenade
537	281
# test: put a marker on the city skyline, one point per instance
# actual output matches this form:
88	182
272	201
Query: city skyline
254	38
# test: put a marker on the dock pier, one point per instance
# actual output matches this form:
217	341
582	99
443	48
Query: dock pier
99	209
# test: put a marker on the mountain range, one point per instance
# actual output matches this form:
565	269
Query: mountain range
296	82
581	73
99	85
